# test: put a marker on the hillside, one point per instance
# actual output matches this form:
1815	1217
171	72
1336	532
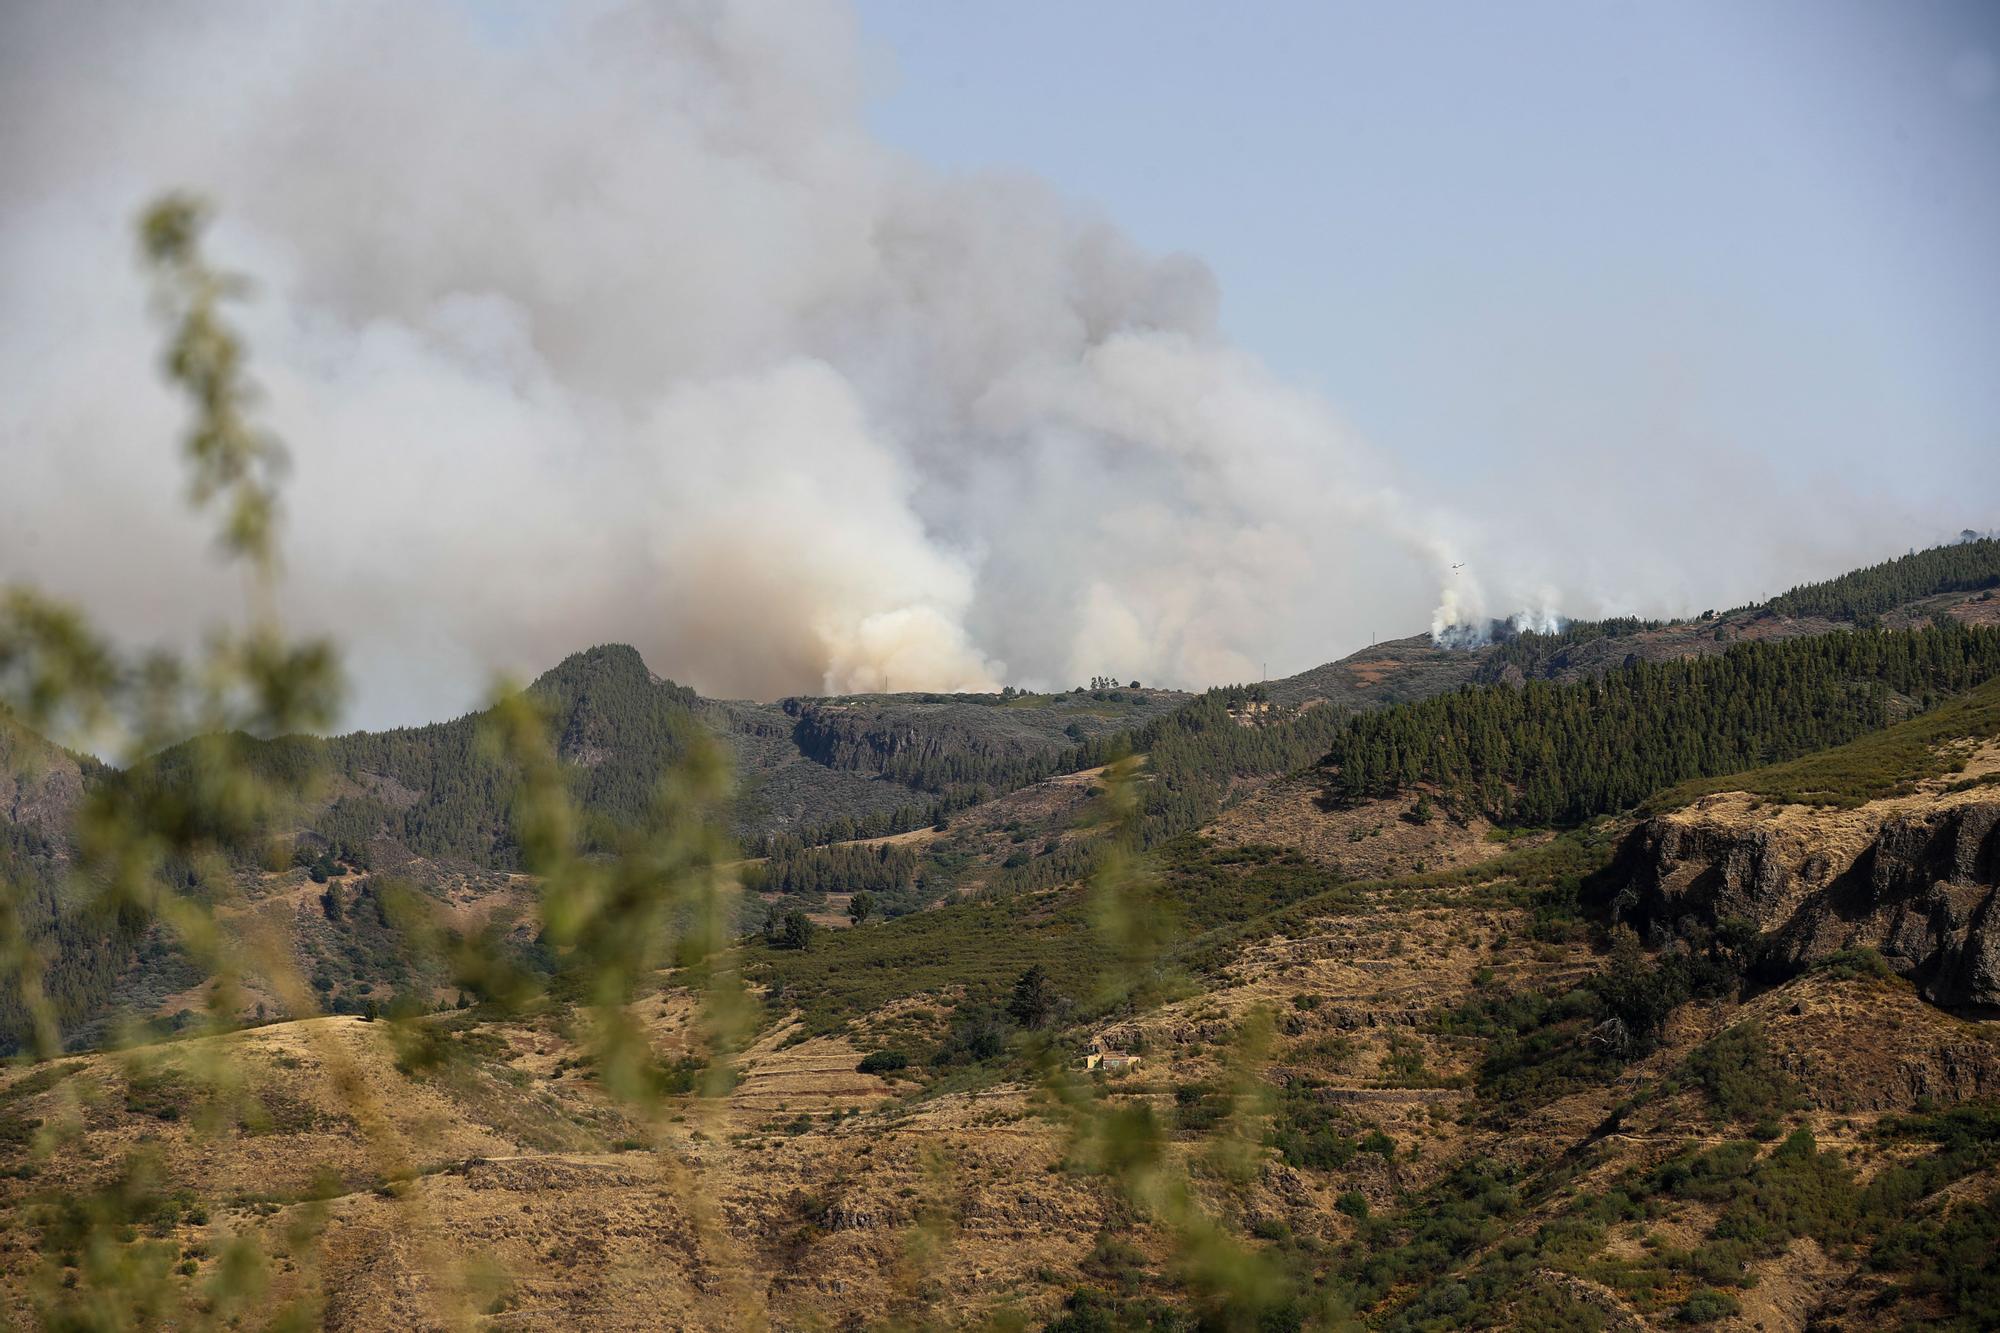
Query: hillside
42	788
1697	1039
1960	582
41	785
433	808
812	769
825	769
1890	844
1483	1101
858	766
430	807
1542	752
1395	671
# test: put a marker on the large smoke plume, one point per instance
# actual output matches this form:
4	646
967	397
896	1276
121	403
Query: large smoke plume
619	325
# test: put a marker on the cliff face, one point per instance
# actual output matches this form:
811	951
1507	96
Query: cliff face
936	740
867	741
40	784
1912	878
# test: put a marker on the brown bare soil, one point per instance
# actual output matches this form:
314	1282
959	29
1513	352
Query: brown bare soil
1370	840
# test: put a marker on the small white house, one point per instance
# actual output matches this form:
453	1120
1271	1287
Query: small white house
1109	1061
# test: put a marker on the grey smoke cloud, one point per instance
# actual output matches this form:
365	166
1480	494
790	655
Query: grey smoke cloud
630	331
624	328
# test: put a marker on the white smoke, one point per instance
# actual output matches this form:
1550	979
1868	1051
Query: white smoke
619	326
1461	619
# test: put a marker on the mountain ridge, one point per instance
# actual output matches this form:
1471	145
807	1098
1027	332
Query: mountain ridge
430	801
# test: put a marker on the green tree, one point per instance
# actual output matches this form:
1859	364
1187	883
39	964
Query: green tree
788	928
1036	1003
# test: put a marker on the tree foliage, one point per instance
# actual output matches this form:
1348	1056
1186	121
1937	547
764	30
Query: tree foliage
880	868
1961	567
1555	753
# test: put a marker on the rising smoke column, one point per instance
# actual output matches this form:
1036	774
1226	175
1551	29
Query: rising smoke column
618	325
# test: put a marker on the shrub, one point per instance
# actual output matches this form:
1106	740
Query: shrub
978	1032
882	1062
1742	1081
1306	1132
1861	964
791	929
1270	1228
1706	1305
1199	1107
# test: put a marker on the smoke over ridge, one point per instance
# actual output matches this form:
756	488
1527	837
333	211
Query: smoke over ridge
629	330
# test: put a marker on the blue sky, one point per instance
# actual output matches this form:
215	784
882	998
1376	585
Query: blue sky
1565	237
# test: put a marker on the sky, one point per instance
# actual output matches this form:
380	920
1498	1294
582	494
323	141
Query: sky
816	347
1754	238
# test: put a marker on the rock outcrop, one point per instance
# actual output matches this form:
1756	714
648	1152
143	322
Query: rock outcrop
1913	879
41	785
